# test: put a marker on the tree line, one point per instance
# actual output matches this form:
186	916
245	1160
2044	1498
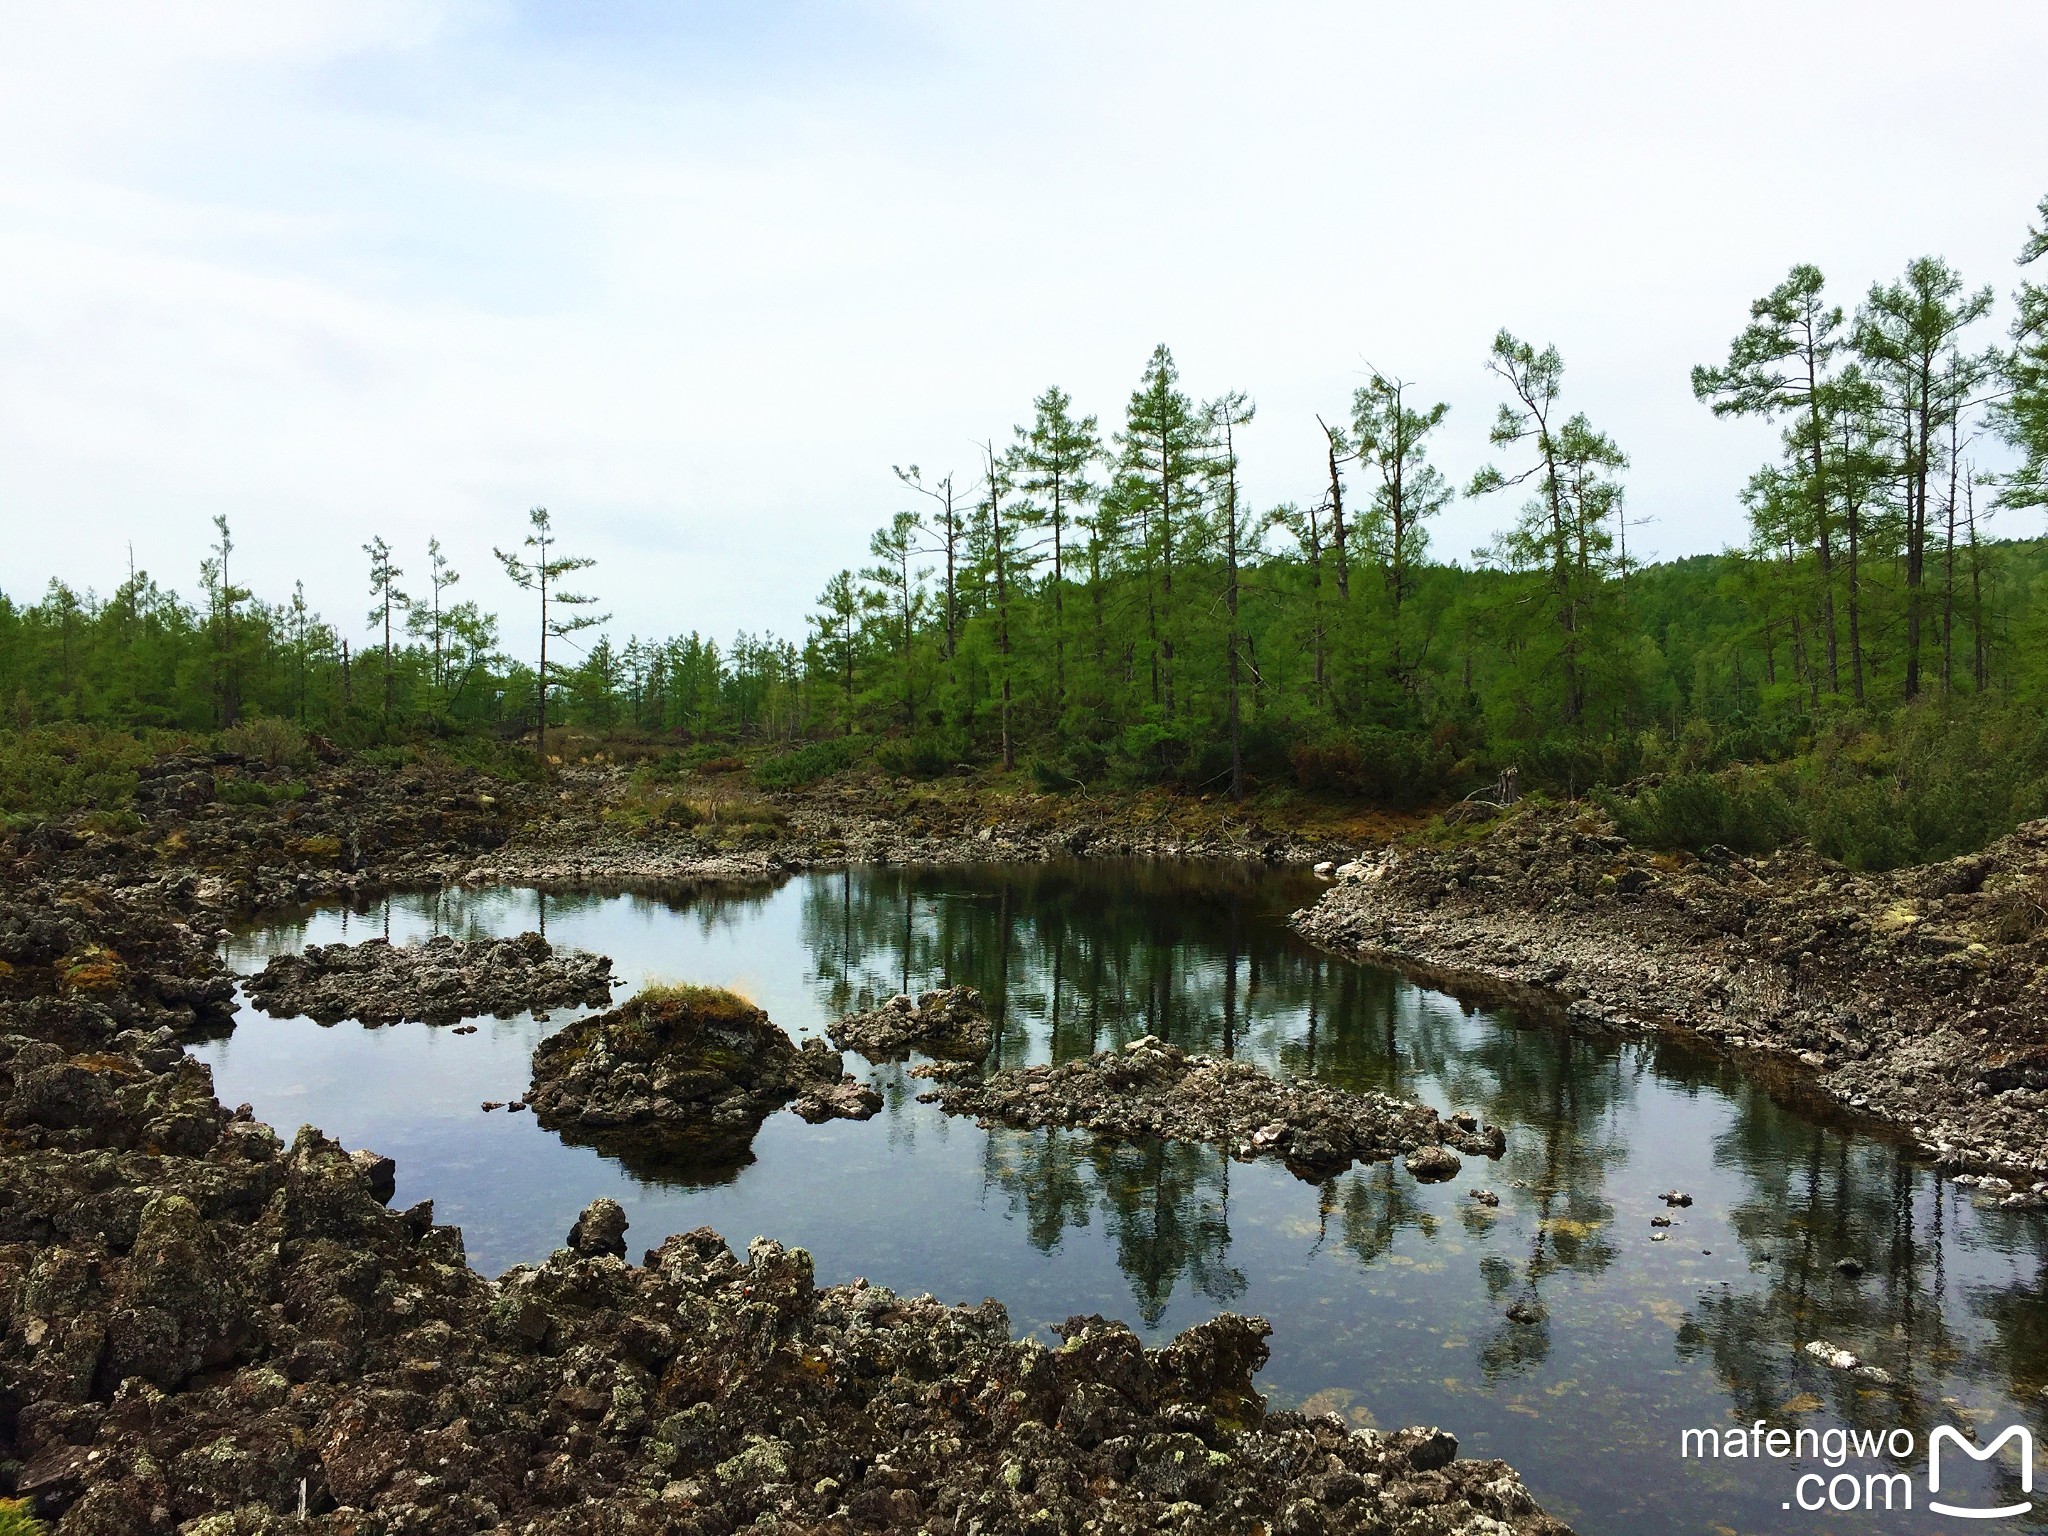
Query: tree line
1094	601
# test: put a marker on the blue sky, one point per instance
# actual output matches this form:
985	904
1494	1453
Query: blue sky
695	276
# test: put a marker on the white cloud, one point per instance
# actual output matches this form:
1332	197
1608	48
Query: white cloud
697	283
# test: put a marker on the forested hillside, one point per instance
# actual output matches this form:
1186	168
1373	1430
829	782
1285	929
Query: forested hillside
1102	600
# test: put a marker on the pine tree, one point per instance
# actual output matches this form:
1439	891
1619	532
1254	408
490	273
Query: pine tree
1159	474
541	573
1779	367
2022	416
384	587
1389	436
1050	462
1562	530
1907	334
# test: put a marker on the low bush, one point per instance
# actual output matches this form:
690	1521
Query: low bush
268	740
806	765
1739	808
58	770
233	789
927	755
1386	767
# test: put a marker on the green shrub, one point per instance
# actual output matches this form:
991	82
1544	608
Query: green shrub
233	789
669	768
1050	775
55	771
927	755
1740	808
267	740
806	765
1385	767
15	1519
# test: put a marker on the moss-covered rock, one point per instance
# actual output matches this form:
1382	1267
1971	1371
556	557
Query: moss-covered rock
679	1078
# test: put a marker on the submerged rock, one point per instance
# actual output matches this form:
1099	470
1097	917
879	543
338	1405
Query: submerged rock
1433	1164
1153	1089
440	981
683	1076
949	1023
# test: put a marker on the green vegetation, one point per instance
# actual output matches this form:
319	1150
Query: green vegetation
806	765
1105	605
15	1519
71	768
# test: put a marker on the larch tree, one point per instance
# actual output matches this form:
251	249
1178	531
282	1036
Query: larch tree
390	602
948	529
540	571
1562	529
1050	463
431	622
1389	435
1781	367
838	624
2022	416
1160	471
1908	336
895	574
1224	416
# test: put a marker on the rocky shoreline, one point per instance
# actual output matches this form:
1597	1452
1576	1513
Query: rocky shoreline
208	1331
1154	1090
442	981
1917	999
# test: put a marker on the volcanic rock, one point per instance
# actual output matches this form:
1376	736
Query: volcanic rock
1910	996
950	1024
440	981
1151	1089
682	1077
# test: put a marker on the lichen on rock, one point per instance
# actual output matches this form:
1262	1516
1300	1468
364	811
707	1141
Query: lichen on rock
440	982
949	1023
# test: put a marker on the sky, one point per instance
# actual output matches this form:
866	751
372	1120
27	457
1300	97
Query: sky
695	276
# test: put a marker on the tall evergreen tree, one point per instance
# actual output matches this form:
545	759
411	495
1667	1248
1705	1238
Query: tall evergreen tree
1780	366
540	573
390	600
894	574
1908	336
2022	416
1223	418
1050	463
1563	528
1390	435
1159	477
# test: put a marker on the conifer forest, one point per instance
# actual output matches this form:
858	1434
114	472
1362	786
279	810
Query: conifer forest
1097	595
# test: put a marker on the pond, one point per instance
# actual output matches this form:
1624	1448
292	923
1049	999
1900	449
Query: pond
1388	1297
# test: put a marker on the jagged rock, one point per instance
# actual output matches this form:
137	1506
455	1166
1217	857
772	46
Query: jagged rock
600	1229
1432	1164
439	981
950	1024
1152	1089
682	1077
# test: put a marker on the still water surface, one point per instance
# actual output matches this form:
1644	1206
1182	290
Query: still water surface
1388	1297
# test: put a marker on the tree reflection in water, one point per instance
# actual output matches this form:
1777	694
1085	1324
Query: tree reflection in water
1388	1295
